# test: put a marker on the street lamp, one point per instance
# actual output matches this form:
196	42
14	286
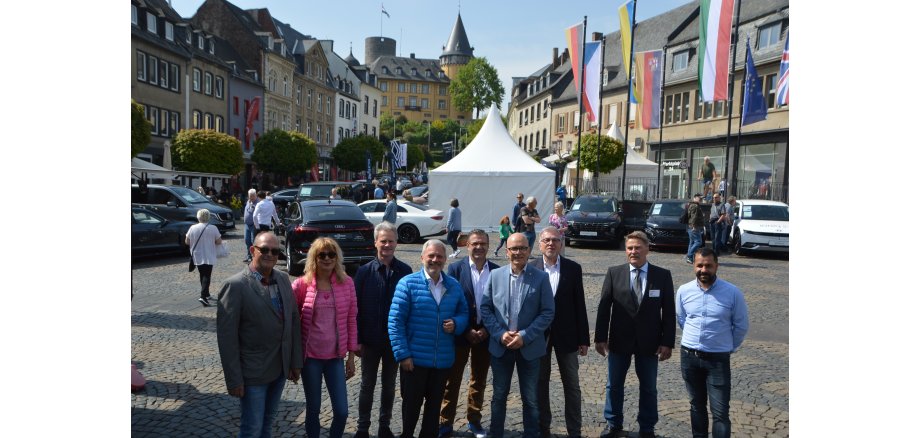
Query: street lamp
429	133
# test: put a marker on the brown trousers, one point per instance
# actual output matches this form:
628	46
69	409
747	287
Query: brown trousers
479	372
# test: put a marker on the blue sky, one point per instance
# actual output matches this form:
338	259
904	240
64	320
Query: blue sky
516	37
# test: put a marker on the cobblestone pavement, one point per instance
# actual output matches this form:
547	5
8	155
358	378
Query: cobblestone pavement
174	345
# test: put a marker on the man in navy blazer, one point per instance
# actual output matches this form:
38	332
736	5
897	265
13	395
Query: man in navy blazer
568	334
635	318
516	309
473	274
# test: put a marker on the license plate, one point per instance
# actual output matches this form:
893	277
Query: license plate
229	223
589	233
783	241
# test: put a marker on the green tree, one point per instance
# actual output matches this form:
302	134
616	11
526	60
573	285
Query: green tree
611	153
140	129
200	150
414	156
350	153
476	86
284	153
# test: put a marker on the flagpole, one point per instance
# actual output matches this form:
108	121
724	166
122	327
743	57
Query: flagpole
664	68
580	90
731	90
600	116
629	90
736	158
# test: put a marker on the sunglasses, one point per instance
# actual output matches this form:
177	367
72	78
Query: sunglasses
326	255
267	250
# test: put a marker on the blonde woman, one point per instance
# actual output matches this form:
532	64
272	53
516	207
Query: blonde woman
558	220
329	330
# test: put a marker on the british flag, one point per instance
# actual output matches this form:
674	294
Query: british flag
782	87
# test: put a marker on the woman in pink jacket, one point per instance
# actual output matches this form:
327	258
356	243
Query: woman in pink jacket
329	331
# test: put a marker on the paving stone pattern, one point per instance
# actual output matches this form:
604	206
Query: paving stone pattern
175	346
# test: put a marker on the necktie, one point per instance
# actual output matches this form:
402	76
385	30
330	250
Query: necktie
637	286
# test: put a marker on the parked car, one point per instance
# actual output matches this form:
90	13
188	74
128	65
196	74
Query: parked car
403	184
341	220
419	195
322	190
282	198
761	226
663	228
413	221
154	234
594	218
178	203
633	214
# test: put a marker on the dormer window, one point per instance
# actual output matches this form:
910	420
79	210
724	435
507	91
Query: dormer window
188	36
414	71
441	75
211	46
681	60
399	70
134	15
151	23
427	73
169	31
386	70
769	35
200	42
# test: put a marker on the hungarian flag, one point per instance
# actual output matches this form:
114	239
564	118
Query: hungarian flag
782	87
714	48
648	88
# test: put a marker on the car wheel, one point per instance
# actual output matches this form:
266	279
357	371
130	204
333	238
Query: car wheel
568	242
737	246
617	239
294	268
407	233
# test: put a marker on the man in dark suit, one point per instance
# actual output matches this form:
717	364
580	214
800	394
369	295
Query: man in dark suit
635	318
258	336
516	309
473	274
568	334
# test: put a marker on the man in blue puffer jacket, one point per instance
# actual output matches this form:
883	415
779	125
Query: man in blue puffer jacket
428	310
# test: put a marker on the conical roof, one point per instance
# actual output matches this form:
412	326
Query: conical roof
458	44
351	60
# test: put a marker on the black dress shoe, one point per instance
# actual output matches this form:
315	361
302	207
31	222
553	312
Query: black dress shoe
384	432
647	434
613	432
361	434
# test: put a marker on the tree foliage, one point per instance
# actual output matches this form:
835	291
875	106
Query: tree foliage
414	156
350	153
476	86
200	150
140	129
285	153
611	153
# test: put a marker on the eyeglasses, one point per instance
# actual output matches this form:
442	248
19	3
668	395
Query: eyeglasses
266	250
326	255
551	240
518	248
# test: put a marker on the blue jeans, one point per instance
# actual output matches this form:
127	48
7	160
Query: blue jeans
715	231
249	237
725	232
647	372
258	407
334	371
696	241
528	372
708	376
531	236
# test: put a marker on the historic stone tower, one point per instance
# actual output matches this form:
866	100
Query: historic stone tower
456	54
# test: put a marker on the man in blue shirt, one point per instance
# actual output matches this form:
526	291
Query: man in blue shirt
714	319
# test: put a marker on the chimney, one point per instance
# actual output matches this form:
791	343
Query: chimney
596	36
555	57
412	55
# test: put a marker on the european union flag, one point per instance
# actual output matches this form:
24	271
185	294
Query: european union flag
755	106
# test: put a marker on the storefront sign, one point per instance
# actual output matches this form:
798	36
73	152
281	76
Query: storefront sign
674	164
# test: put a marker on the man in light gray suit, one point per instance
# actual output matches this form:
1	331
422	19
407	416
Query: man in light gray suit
517	308
258	336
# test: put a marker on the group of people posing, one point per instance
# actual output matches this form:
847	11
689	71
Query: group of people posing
431	323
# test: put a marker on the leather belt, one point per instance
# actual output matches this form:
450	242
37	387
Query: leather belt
704	354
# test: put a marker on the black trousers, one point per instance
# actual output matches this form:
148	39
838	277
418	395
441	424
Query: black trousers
204	276
452	238
414	386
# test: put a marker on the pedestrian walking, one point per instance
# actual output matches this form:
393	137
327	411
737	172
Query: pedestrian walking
504	231
516	213
453	226
265	213
695	224
716	222
713	316
558	220
259	344
249	225
389	213
635	320
530	218
202	240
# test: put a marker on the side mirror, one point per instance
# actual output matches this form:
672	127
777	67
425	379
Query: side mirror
171	204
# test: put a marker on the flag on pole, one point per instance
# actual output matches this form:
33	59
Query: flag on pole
648	88
395	149
782	87
592	79
714	48
403	153
573	36
755	106
250	120
383	11
627	17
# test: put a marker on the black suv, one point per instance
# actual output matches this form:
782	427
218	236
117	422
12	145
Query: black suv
178	203
323	189
340	220
663	228
594	218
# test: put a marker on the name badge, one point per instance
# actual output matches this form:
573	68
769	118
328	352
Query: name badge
654	293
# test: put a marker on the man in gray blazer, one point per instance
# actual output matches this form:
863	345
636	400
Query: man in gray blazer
258	336
517	308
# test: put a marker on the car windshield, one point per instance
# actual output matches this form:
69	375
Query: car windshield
288	192
594	205
323	213
190	196
319	190
667	209
418	191
765	212
418	206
